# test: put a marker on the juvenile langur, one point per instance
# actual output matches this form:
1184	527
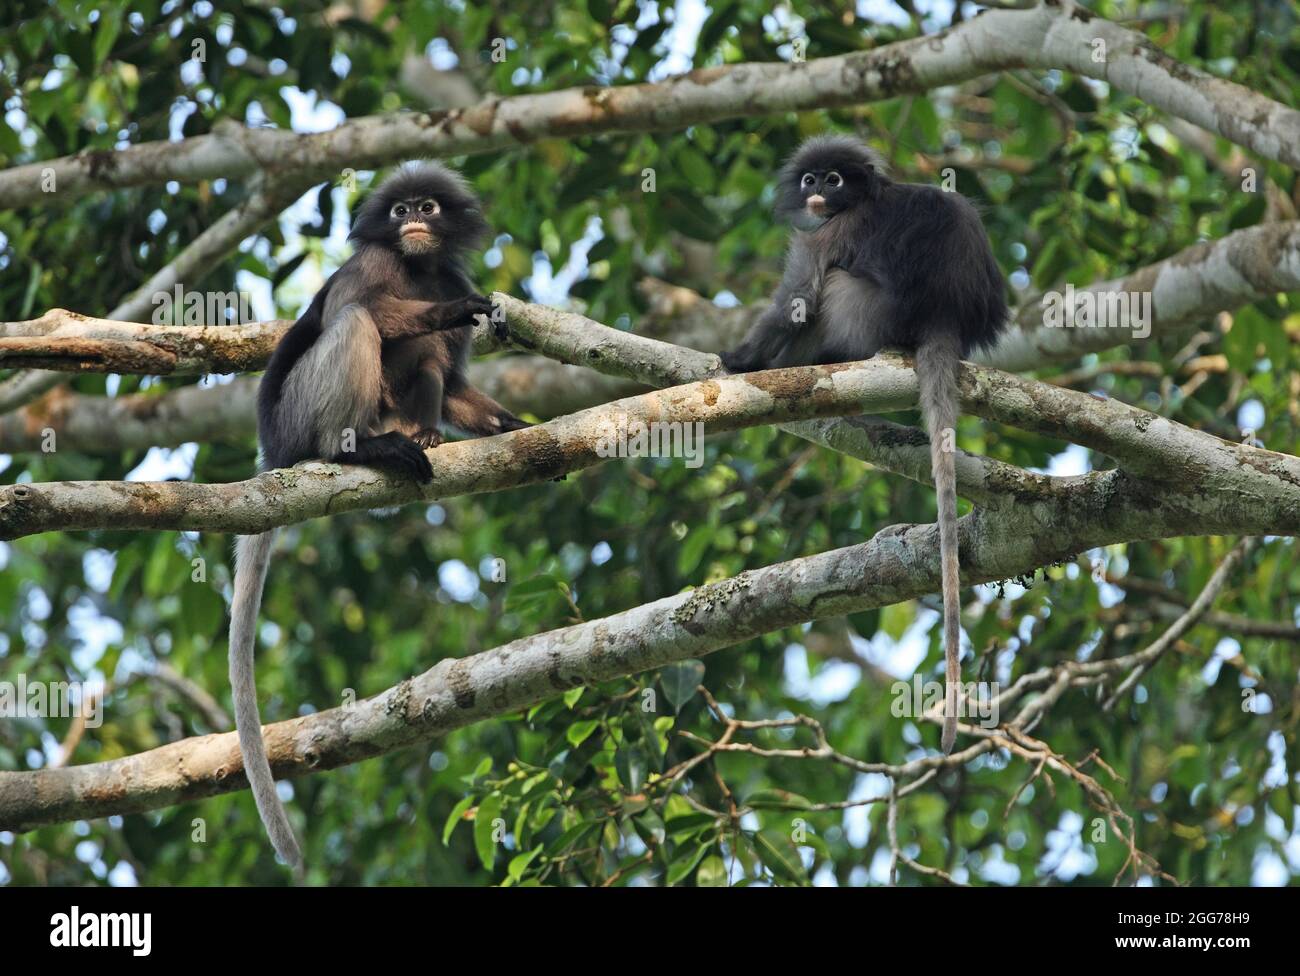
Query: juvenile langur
875	263
366	376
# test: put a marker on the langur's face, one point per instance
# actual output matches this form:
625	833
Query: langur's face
827	176
415	224
827	188
423	209
822	192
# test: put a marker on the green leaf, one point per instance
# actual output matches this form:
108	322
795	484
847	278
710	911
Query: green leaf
203	608
1052	261
531	593
488	812
680	682
632	766
722	17
712	873
693	547
482	769
648	38
780	856
162	573
895	618
573	836
696	168
650	827
519	863
578	732
457	814
286	268
692	823
832	36
770	799
684	863
106	31
1249	213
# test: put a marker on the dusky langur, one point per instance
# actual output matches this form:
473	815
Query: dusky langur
366	376
872	264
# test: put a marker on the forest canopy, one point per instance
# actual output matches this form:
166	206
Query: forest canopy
709	667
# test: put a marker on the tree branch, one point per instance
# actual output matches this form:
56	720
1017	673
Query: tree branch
1214	479
197	258
522	457
1209	277
899	563
1205	278
1145	443
1055	35
1148	656
72	342
134	422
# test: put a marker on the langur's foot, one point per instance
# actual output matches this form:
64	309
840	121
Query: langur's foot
510	422
428	437
734	361
392	452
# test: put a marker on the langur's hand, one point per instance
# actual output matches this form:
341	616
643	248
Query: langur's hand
472	306
458	313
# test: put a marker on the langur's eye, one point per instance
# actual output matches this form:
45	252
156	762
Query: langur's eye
399	210
833	178
429	207
807	179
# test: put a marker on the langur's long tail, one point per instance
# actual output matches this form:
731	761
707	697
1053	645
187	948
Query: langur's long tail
938	361
252	556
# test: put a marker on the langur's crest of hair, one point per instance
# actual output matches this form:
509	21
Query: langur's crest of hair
459	223
862	168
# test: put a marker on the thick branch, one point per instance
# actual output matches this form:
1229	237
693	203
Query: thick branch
92	424
899	563
191	265
1203	279
1057	35
1145	443
1212	478
73	342
137	421
522	457
1195	283
226	412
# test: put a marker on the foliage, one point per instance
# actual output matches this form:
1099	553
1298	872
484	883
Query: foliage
1077	181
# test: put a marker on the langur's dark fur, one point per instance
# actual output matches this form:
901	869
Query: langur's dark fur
366	376
884	264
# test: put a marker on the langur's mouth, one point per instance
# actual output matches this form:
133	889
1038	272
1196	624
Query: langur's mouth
416	239
816	205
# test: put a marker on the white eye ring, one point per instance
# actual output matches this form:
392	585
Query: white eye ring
807	179
399	210
430	207
833	178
